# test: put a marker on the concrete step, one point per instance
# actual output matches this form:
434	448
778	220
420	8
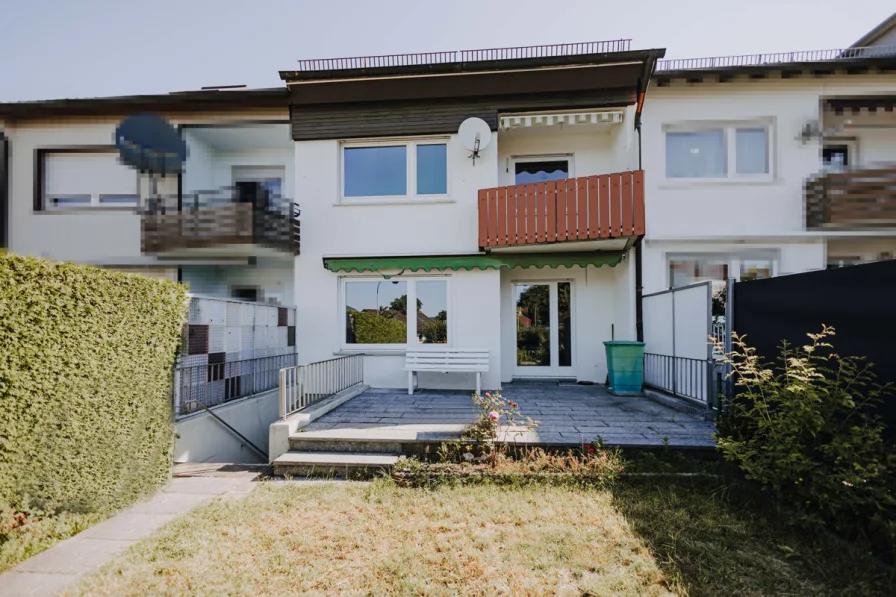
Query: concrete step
333	464
298	443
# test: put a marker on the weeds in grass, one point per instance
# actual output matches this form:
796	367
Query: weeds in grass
26	532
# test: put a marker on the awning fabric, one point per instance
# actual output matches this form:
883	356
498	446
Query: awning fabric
413	263
510	121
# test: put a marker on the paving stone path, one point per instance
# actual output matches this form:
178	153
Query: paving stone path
567	414
65	563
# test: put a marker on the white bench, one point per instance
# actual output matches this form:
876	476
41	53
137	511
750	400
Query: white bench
446	360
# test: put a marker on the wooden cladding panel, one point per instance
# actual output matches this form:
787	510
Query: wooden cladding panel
853	198
592	207
233	224
427	117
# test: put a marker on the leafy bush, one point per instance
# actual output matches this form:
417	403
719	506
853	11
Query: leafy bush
85	384
435	331
806	429
373	328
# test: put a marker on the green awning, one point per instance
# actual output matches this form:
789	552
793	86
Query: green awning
441	263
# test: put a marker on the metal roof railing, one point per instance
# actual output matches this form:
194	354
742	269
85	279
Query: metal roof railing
425	58
779	58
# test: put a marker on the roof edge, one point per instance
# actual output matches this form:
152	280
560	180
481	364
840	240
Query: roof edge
474	66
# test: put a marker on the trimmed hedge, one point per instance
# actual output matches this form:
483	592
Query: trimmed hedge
85	384
373	328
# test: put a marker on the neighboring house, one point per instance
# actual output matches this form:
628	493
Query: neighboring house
607	172
764	165
67	197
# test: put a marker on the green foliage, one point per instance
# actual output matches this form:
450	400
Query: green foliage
373	328
400	305
24	533
435	331
85	384
806	429
495	410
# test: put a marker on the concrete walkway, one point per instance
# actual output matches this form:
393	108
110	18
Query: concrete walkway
65	563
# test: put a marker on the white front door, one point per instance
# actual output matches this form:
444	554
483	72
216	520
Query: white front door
544	334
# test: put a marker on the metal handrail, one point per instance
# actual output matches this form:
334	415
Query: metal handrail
305	385
455	56
228	426
774	58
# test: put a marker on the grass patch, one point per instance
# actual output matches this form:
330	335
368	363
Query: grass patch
691	536
380	539
23	536
713	538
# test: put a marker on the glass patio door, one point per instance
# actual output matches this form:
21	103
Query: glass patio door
543	318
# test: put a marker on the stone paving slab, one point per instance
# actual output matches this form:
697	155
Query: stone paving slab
567	414
65	563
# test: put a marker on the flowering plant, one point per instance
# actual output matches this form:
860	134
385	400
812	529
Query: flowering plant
494	410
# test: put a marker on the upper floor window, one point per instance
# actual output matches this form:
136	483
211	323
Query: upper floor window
395	169
737	151
75	178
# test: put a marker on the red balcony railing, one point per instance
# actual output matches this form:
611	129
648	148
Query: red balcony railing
585	208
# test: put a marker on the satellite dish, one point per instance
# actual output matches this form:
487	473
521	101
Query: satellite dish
475	134
149	144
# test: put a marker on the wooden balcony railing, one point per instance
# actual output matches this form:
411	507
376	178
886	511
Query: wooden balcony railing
217	219
585	208
852	198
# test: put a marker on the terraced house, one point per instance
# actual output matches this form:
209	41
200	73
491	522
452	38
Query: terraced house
518	201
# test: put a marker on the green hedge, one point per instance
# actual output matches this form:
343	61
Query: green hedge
85	381
372	328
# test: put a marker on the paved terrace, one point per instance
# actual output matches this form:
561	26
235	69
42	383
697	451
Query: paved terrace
568	414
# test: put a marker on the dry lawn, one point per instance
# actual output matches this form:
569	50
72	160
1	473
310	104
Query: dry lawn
378	539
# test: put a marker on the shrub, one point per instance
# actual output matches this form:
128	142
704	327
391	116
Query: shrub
494	410
373	328
435	331
85	384
806	430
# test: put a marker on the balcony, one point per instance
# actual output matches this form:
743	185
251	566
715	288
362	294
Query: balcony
242	220
855	198
588	208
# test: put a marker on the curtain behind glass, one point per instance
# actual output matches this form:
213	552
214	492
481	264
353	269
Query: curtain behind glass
697	154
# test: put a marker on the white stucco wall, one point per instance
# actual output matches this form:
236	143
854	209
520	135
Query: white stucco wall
741	209
201	438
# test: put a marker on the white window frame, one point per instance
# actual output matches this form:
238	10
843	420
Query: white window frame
410	145
411	339
734	260
729	130
548	157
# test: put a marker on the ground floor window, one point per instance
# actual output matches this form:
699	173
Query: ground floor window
716	268
376	311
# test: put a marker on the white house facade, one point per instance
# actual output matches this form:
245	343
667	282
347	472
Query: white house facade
602	173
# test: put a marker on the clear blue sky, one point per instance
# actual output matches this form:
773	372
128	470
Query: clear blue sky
90	48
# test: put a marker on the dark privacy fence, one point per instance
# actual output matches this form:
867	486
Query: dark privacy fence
858	301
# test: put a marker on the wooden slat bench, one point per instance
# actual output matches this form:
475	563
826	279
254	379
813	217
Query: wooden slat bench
446	360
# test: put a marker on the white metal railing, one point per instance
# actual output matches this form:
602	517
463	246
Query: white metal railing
305	385
454	56
777	58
